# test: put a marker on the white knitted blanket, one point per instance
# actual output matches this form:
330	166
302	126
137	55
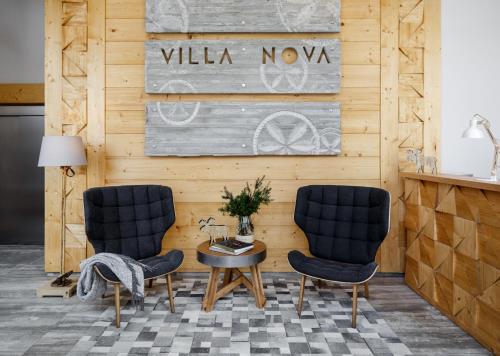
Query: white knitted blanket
130	273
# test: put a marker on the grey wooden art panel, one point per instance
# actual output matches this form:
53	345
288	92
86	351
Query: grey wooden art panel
242	128
242	16
243	66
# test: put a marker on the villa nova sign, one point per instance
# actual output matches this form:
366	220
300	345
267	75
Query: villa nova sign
243	66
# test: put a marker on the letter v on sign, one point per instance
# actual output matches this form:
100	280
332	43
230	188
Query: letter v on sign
167	56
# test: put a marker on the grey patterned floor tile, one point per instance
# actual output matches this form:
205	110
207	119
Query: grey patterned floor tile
394	321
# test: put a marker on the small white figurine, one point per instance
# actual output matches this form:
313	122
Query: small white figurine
431	162
214	231
415	155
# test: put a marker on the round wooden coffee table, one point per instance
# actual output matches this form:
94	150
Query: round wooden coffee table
233	277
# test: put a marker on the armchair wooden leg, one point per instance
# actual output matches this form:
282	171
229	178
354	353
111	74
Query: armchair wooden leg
367	291
301	294
150	283
117	304
170	294
354	304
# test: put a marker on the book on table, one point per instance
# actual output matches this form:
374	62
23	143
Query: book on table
232	247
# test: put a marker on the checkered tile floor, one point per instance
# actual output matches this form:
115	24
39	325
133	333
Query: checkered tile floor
237	327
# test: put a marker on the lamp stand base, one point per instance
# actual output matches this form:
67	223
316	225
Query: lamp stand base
47	290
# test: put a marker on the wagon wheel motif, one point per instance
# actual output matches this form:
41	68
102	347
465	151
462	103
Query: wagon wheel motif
286	133
283	77
329	141
294	14
169	15
177	113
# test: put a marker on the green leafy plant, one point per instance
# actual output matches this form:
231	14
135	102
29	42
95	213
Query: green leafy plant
248	201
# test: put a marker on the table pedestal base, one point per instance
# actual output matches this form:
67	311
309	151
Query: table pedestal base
233	277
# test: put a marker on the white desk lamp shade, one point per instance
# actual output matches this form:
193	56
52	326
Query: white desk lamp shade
62	151
473	131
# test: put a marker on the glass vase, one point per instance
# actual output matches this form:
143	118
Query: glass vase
244	230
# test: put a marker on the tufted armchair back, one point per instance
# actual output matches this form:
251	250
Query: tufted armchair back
129	220
343	223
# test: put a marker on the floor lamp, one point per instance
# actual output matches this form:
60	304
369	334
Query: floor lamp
63	152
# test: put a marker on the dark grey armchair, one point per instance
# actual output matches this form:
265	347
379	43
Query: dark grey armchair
344	227
132	221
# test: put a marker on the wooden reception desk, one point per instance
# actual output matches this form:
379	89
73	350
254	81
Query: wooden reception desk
453	249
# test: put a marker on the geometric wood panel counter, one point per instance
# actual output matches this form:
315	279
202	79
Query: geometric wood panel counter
453	250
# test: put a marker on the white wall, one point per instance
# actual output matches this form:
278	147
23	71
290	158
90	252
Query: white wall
470	82
21	41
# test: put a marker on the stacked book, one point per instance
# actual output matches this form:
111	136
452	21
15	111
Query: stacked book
232	247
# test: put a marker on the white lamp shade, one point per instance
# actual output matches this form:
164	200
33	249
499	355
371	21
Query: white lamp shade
473	131
62	151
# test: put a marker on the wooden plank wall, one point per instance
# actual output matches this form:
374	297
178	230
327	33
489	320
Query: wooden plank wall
65	113
95	88
410	101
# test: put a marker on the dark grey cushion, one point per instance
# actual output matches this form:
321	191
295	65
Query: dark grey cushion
330	270
343	223
129	220
160	265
